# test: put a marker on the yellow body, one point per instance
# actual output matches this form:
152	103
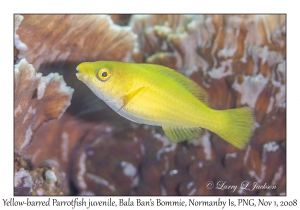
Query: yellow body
156	95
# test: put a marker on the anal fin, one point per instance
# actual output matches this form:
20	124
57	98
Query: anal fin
179	134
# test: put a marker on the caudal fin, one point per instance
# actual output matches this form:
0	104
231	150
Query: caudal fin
238	126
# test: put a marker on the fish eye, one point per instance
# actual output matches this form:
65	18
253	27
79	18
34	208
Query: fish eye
104	74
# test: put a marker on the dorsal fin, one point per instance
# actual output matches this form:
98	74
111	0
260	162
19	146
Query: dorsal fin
190	85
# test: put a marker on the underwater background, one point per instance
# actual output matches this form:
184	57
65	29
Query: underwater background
68	142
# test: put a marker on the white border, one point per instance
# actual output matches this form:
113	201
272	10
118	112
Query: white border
153	6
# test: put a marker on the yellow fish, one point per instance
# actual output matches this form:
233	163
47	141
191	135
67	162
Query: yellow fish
156	95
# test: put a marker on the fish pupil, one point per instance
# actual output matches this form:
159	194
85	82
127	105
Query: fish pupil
104	74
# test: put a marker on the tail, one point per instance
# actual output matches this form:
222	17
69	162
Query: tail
237	126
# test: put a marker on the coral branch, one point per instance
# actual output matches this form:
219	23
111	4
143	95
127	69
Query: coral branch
37	100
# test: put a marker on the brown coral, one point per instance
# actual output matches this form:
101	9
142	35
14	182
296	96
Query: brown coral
240	61
47	179
205	41
37	100
20	48
74	38
61	42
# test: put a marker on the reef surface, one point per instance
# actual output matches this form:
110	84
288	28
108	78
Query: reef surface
68	142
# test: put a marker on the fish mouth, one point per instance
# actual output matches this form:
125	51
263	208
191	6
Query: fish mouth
79	75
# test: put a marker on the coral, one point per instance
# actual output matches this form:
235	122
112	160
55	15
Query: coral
48	179
20	162
20	48
23	182
238	59
61	42
64	134
37	100
74	38
113	171
208	42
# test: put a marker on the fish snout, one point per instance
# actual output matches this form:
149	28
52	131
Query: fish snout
81	74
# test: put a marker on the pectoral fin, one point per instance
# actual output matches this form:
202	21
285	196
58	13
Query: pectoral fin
129	98
178	134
